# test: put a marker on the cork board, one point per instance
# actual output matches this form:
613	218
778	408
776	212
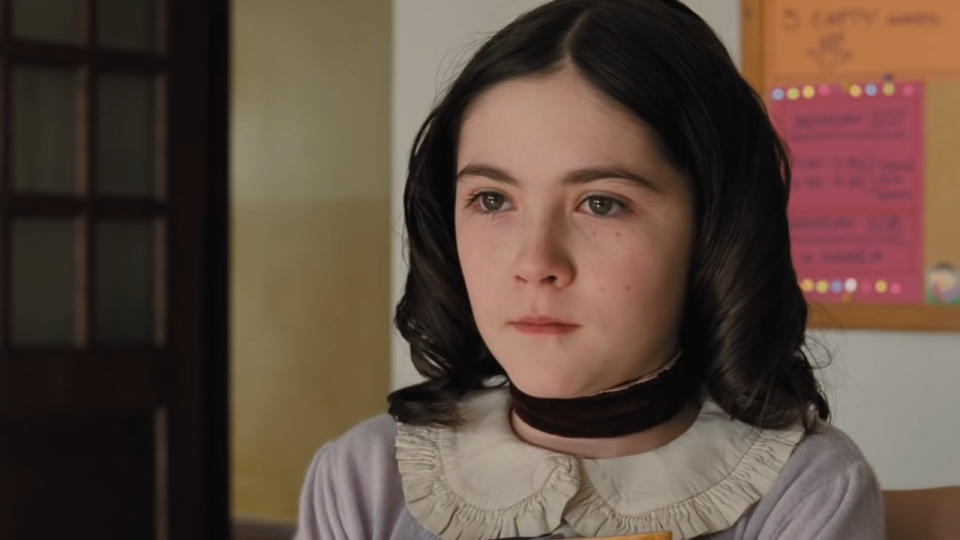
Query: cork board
867	95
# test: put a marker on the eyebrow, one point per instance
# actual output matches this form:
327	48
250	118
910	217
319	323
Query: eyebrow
574	177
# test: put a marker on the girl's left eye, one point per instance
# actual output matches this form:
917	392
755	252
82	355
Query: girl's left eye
490	202
602	206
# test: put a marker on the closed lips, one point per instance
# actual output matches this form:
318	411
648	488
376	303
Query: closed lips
541	320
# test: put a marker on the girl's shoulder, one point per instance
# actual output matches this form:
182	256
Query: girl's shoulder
352	488
826	489
826	448
369	440
827	457
363	455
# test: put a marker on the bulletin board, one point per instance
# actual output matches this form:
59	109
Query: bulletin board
866	94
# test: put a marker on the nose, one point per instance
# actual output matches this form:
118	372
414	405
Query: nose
544	257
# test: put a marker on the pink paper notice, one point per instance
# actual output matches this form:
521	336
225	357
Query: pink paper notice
856	203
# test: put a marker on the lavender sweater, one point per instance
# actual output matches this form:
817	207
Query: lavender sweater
825	491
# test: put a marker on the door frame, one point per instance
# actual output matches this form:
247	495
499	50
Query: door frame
199	464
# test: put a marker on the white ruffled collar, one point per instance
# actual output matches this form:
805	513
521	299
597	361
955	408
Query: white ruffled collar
481	481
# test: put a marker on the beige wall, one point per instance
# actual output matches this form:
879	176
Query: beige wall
310	236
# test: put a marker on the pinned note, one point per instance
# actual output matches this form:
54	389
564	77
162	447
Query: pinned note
833	40
857	197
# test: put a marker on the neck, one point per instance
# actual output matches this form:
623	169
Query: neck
608	447
625	409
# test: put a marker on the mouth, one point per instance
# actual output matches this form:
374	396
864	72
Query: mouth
543	325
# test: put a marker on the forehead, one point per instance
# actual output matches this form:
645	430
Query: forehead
557	119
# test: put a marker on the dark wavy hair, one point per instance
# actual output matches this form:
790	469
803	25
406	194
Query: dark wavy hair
744	322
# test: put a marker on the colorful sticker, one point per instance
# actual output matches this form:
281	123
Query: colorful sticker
943	285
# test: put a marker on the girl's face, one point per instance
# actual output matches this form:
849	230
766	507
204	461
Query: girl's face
574	234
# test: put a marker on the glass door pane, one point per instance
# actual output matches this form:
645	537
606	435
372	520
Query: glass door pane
42	278
125	282
44	130
127	24
126	135
46	20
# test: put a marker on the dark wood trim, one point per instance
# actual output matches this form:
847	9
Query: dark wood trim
77	55
88	22
161	137
5	106
69	206
198	111
88	292
81	254
4	179
162	28
217	276
5	23
77	382
255	529
109	354
83	115
161	281
4	282
161	508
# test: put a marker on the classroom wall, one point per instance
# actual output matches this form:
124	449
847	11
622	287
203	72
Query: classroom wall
895	393
310	237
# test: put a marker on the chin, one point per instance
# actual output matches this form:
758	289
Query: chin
539	386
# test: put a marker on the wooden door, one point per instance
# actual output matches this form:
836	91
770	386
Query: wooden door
113	280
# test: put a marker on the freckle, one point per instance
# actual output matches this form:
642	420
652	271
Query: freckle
602	289
629	288
618	234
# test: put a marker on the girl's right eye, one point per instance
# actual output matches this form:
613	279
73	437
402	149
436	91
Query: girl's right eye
490	202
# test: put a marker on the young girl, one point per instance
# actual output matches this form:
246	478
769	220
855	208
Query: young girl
602	302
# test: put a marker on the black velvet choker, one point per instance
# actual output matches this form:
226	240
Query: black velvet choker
627	408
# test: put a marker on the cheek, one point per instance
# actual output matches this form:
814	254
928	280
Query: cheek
479	261
620	289
638	280
473	251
